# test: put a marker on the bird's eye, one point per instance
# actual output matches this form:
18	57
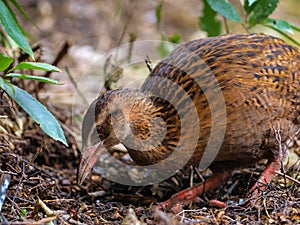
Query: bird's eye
100	131
99	128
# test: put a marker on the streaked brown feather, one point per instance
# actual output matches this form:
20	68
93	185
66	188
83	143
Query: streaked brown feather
259	78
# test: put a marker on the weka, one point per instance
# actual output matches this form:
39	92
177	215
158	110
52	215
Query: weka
259	80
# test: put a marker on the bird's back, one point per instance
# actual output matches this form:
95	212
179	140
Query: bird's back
259	79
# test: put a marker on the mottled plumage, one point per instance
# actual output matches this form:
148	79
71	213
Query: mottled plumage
244	84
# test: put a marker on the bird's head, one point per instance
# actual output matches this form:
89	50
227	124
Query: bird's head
119	116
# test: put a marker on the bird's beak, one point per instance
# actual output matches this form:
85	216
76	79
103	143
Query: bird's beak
89	157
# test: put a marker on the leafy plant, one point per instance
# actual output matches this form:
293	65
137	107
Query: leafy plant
167	44
208	21
225	9
12	35
256	11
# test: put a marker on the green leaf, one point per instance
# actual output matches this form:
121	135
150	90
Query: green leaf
158	13
37	111
35	66
249	5
20	9
7	82
208	21
174	38
251	2
30	77
1	82
25	34
23	213
165	47
5	62
11	27
261	10
294	27
225	9
282	25
283	34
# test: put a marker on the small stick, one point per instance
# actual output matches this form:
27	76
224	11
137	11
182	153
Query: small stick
282	153
288	177
148	63
59	57
76	86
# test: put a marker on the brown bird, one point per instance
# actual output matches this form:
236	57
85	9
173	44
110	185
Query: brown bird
214	102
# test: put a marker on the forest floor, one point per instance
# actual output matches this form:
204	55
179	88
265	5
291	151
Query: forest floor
42	172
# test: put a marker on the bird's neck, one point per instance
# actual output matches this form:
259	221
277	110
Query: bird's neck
153	130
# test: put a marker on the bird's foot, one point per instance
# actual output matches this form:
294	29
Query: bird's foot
190	195
265	178
180	199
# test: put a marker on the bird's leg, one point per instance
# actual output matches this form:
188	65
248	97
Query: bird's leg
191	194
266	177
271	167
